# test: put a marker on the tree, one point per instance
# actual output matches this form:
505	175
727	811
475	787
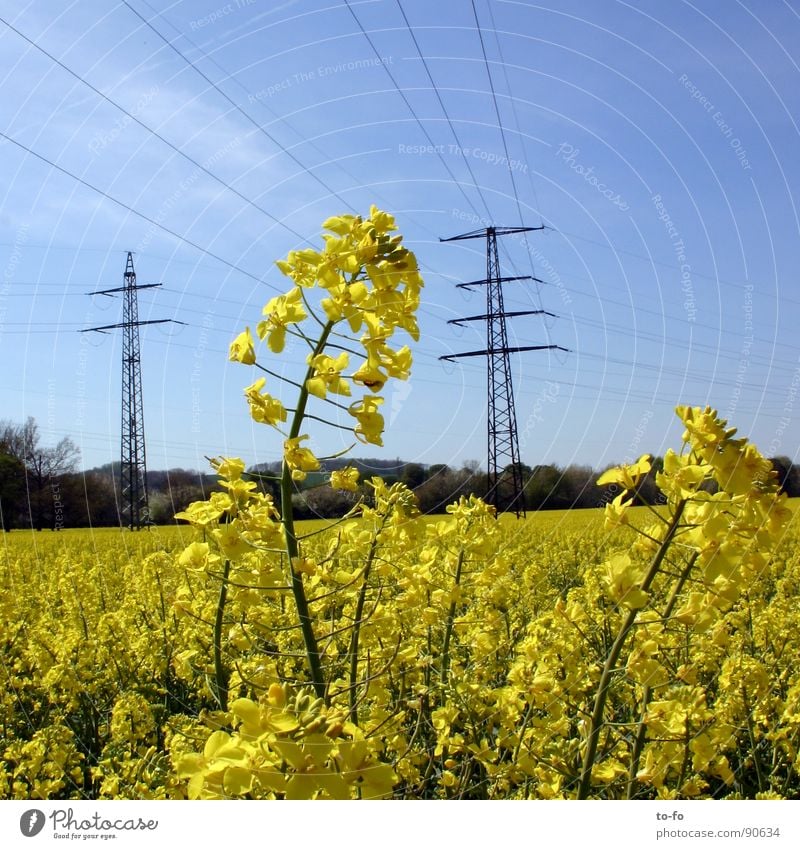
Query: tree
12	490
43	469
577	486
444	485
788	475
413	475
542	488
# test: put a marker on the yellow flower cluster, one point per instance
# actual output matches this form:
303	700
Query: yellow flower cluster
369	282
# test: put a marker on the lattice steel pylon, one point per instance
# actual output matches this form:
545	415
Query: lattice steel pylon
505	488
134	509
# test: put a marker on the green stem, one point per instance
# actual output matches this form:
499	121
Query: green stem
596	722
687	739
362	597
220	673
753	746
290	537
638	743
641	731
448	630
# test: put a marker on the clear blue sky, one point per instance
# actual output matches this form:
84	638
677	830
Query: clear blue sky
658	141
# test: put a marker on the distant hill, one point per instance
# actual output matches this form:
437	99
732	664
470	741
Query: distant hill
366	466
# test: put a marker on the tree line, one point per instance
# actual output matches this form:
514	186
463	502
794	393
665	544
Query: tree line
41	487
545	487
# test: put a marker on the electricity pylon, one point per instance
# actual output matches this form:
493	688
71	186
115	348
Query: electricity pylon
134	509
505	488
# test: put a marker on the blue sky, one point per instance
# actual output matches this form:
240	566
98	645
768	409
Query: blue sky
657	142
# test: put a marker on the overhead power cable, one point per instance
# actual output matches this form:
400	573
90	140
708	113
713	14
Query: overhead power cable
135	212
305	169
444	108
497	113
155	133
511	170
237	107
521	137
411	109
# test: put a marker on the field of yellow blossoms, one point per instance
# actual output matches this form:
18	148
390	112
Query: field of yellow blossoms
629	652
108	670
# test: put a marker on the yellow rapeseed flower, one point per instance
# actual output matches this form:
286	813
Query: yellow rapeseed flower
626	476
328	375
242	348
281	312
370	421
346	478
263	407
299	460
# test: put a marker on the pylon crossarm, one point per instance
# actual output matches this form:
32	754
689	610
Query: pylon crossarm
498	280
515	350
496	231
500	315
123	324
125	289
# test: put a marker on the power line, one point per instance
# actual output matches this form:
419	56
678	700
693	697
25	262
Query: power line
510	167
504	66
135	212
497	112
412	110
444	108
305	169
158	135
238	108
461	149
512	99
609	327
281	118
